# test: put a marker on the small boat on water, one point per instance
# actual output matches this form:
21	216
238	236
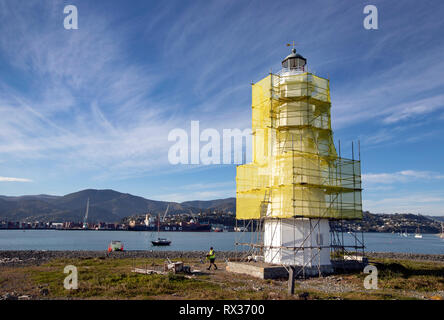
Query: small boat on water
418	234
161	241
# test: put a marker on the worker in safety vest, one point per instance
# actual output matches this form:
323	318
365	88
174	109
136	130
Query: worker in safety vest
211	256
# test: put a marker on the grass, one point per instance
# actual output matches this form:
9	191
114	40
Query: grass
110	279
102	278
113	279
410	275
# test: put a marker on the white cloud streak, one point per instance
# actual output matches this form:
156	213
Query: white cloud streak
200	191
400	177
422	203
414	109
391	192
10	179
90	108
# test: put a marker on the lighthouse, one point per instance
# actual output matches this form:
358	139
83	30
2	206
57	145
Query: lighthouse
297	182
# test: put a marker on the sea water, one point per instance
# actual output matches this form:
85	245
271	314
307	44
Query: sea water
190	241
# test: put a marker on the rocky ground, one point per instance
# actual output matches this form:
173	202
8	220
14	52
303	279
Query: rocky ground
12	258
407	256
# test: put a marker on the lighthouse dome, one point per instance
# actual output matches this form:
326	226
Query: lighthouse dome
294	61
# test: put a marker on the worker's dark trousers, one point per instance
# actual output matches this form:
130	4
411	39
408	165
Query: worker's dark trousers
212	263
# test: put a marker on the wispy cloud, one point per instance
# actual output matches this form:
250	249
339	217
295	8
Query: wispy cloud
424	203
200	191
400	177
372	98
414	109
90	107
397	192
195	195
10	179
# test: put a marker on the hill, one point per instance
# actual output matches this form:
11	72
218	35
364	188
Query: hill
438	218
225	205
405	222
113	206
105	206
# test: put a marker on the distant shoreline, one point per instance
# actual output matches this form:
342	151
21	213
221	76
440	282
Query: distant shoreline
435	234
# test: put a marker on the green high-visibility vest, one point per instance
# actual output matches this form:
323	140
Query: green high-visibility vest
212	255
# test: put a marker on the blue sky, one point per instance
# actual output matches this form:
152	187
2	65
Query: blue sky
92	108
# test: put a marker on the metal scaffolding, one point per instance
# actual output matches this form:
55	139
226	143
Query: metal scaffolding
296	176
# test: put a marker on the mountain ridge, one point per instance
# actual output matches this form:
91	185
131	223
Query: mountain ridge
106	205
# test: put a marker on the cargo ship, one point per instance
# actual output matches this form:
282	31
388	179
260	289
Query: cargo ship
186	226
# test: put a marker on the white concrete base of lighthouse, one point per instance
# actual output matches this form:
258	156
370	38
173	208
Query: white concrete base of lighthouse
291	233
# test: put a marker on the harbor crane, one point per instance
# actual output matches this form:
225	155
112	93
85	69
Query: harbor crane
85	224
166	211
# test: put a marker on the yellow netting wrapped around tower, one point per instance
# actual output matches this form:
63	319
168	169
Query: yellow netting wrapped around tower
296	170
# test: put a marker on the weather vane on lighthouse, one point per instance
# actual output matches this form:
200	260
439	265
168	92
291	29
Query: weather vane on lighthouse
292	44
